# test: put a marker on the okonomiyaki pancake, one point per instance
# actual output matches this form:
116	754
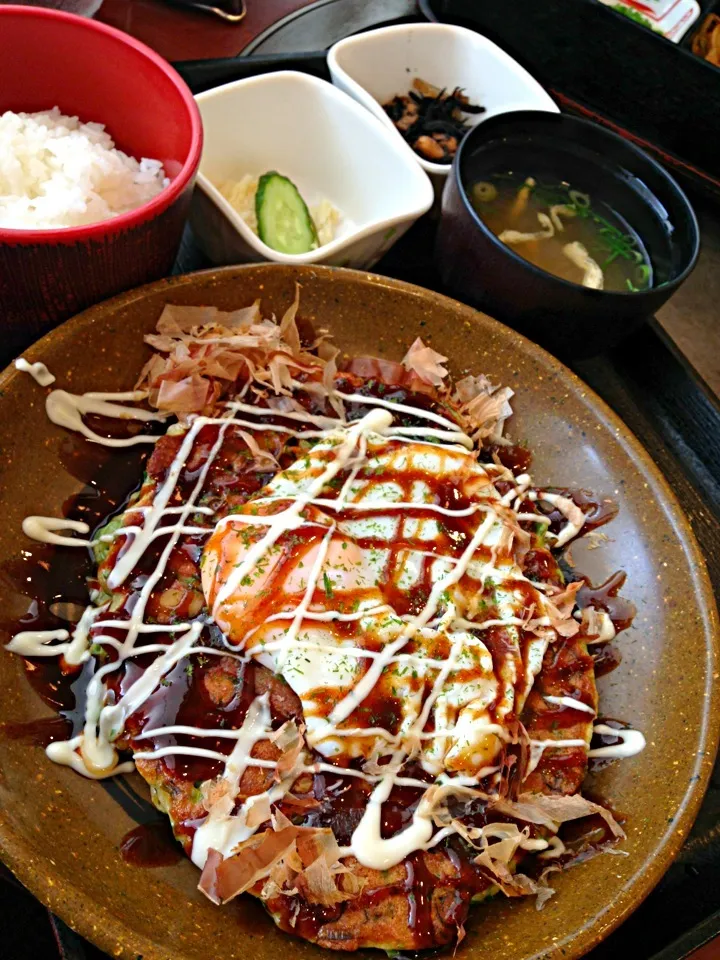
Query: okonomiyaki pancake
331	630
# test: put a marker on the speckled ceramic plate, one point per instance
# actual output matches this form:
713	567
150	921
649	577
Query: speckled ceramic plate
61	834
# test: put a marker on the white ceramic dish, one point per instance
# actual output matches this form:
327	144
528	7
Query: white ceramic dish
374	67
328	145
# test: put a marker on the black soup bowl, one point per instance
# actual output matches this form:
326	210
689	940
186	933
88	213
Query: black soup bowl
569	319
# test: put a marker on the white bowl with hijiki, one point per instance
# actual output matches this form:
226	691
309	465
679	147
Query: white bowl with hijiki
430	83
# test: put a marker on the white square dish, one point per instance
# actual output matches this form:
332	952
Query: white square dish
374	67
328	145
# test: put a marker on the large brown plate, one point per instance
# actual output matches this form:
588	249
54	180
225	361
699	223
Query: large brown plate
60	833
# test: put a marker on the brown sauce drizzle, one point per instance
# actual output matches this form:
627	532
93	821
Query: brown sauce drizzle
64	695
151	845
607	658
37	733
542	565
430	918
605	597
514	457
419	887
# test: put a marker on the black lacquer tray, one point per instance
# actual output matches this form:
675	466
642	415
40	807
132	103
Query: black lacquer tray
673	413
598	63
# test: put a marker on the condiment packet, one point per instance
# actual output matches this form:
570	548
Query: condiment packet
671	18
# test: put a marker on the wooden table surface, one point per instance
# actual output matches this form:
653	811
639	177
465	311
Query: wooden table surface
180	34
711	951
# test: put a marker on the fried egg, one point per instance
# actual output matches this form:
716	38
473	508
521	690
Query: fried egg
345	591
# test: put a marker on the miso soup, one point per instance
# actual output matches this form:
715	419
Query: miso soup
564	231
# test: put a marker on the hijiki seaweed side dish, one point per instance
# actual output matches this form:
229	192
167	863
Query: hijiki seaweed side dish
329	624
431	120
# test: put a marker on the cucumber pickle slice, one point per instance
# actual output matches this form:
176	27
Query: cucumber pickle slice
283	219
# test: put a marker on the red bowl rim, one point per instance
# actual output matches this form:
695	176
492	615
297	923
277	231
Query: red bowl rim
169	194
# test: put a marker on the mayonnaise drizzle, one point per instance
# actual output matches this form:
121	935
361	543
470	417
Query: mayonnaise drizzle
574	515
38	371
632	742
141	538
34	643
367	844
301	611
42	529
67	410
570	703
93	753
67	754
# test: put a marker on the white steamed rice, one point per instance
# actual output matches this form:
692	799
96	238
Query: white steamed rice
58	172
